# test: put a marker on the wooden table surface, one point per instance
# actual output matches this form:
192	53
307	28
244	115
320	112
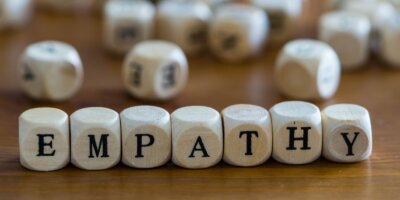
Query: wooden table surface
211	84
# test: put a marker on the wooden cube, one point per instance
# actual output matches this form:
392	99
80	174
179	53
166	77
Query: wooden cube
390	42
247	135
127	23
184	23
283	16
44	139
297	132
146	136
238	32
347	133
197	137
349	35
376	10
155	70
95	138
50	70
14	13
307	69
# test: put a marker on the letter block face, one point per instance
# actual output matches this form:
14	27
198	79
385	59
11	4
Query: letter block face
184	23
146	136
307	69
349	35
95	138
14	13
238	32
197	137
50	70
127	23
297	132
347	133
44	139
283	15
247	135
155	70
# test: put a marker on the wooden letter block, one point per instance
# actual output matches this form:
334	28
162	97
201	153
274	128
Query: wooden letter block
297	132
390	42
247	135
283	16
349	35
14	13
307	69
155	70
44	139
184	23
95	138
127	23
347	133
378	12
50	70
146	136
238	32
197	137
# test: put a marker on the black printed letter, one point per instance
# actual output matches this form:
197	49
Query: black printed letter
140	144
42	144
201	148
103	144
248	140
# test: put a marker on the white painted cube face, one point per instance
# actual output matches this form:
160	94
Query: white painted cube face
14	13
297	132
184	23
50	70
307	69
127	23
155	70
283	15
95	138
197	137
390	42
44	139
347	133
349	35
238	32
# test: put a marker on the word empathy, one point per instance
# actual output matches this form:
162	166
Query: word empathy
195	137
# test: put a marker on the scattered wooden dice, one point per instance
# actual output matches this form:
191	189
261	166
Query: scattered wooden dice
50	70
197	137
127	23
238	32
155	70
44	139
14	13
194	137
349	35
347	133
307	69
283	15
95	138
184	23
390	41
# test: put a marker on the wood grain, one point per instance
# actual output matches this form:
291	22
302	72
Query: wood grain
213	84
